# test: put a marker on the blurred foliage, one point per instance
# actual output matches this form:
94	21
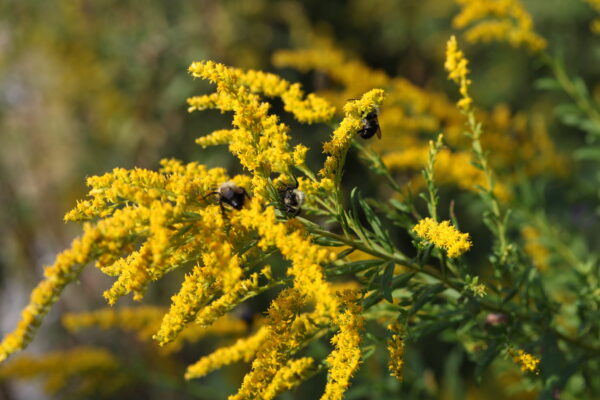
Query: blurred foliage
88	86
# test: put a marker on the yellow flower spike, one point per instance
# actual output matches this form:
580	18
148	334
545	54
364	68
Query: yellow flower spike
97	370
65	270
227	302
243	349
323	56
142	319
145	321
287	329
295	246
456	65
342	137
345	359
395	346
307	110
501	20
288	377
527	362
196	290
443	235
219	137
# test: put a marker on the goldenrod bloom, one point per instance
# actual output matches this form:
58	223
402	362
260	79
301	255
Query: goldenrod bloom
146	320
443	235
259	140
65	270
243	349
456	65
337	147
287	331
410	111
288	377
323	56
395	346
527	362
503	20
97	371
294	245
345	359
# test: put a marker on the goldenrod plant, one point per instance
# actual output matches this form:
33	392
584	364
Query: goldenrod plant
311	279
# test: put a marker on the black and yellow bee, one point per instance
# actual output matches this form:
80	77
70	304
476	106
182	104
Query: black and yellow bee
370	125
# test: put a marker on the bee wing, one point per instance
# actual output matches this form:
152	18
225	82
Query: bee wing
378	133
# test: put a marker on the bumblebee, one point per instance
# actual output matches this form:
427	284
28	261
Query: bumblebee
231	194
370	125
291	198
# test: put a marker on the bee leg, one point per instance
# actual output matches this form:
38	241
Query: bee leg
209	194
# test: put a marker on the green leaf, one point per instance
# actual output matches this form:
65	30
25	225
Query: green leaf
357	266
376	225
425	296
386	281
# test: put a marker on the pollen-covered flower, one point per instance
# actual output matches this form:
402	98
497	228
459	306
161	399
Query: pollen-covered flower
443	235
456	65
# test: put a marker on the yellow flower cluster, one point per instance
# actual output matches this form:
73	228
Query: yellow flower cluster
97	371
259	140
395	346
323	56
354	112
140	214
456	65
65	270
410	111
450	167
144	224
345	359
294	245
502	20
444	236
288	377
527	362
243	349
146	320
288	330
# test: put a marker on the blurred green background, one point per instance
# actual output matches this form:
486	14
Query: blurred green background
87	86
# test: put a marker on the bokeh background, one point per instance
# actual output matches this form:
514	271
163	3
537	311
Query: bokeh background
87	86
